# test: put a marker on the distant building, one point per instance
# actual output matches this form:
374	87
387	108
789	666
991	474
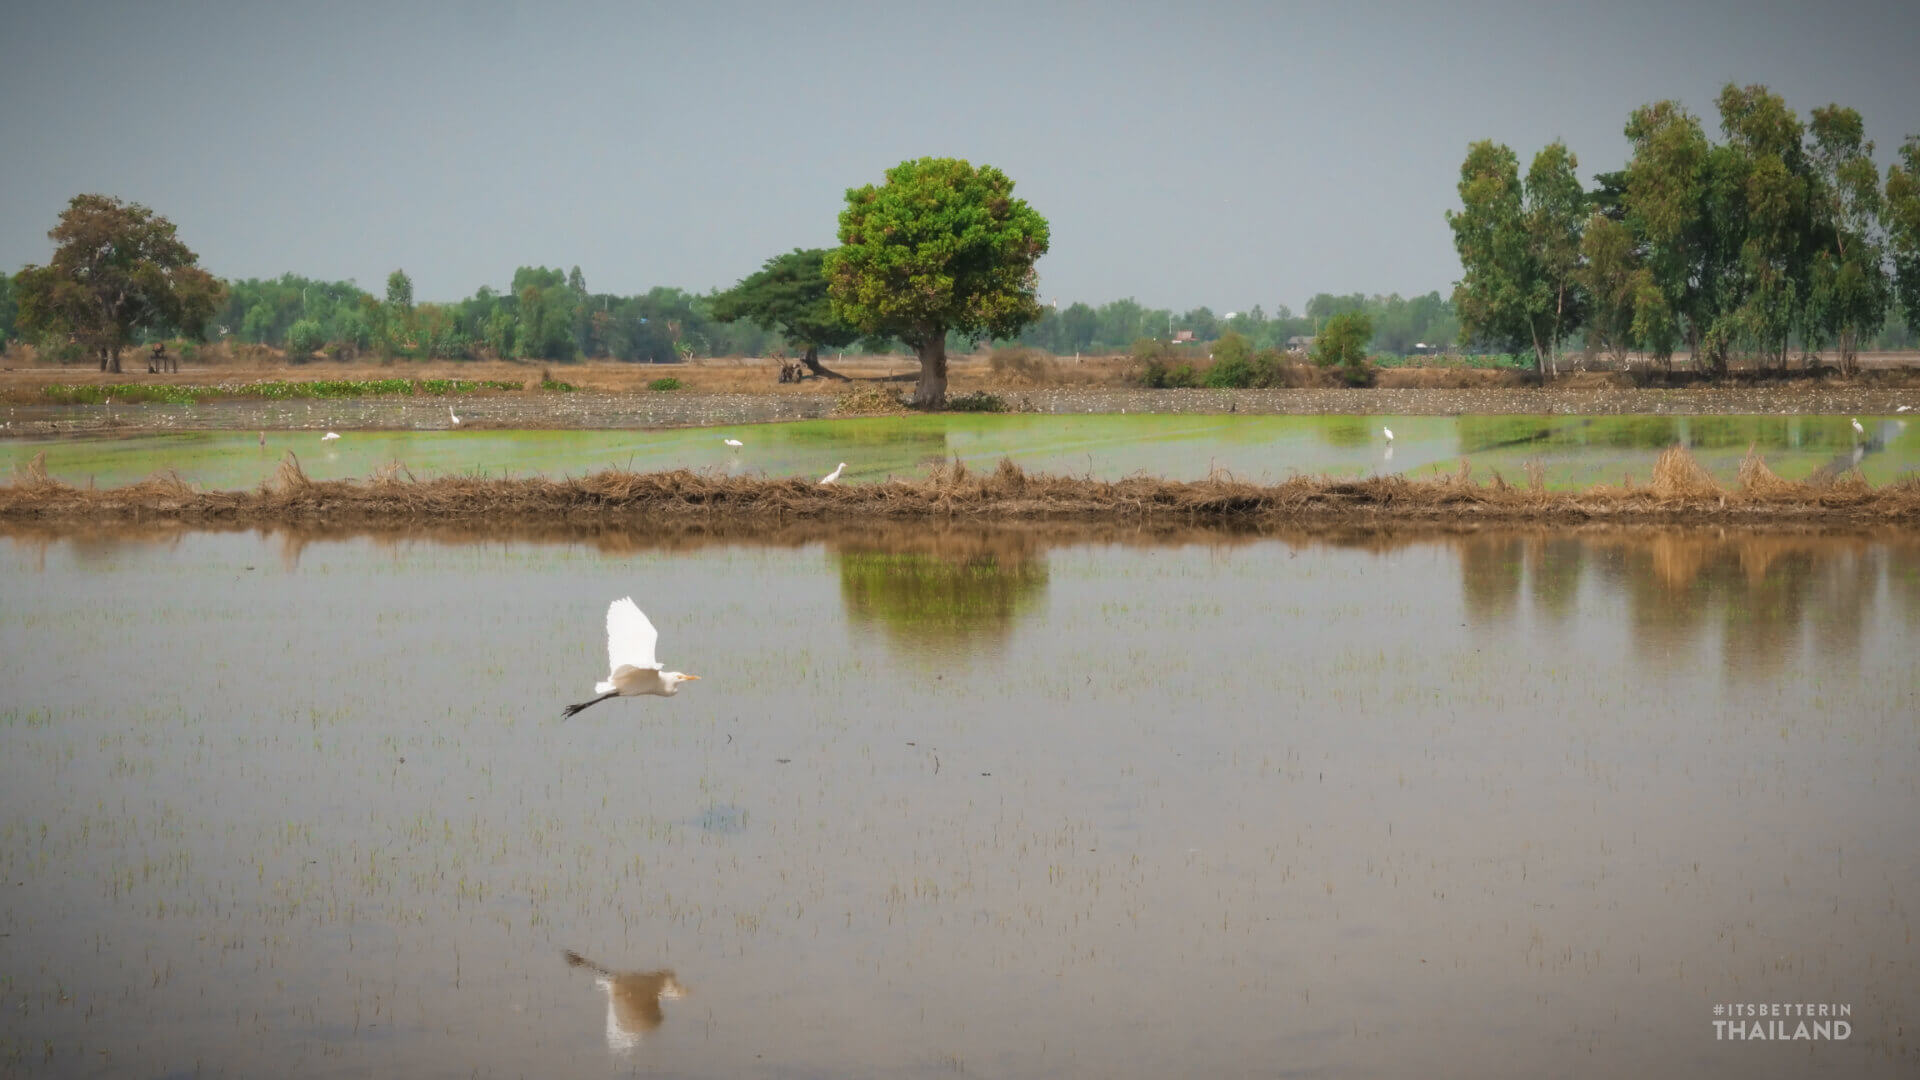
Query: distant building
1183	335
1299	343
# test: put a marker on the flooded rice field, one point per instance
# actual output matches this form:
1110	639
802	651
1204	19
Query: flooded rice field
1003	803
1575	451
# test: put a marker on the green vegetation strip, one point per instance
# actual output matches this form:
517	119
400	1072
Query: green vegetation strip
73	394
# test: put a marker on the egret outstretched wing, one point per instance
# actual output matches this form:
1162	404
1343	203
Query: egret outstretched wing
630	637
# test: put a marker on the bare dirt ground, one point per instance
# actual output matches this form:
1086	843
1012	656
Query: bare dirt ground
614	395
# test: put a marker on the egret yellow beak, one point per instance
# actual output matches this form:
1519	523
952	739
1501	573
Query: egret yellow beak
691	678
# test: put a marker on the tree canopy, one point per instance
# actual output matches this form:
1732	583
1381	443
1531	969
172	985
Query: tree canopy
788	296
117	269
1902	209
1781	233
941	246
1519	246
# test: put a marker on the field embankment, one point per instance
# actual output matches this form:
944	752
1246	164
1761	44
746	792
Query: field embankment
1679	491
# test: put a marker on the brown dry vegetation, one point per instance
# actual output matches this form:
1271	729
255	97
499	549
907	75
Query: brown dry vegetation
22	373
1679	491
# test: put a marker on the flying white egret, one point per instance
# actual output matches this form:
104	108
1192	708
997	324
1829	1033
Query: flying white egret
633	1000
1858	430
328	437
630	641
1903	408
735	443
834	476
1389	432
455	419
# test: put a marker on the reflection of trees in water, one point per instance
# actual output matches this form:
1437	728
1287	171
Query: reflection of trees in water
1479	434
1490	576
1347	431
898	437
1767	594
1554	563
1495	568
942	589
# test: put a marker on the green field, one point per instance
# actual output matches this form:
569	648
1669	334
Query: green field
1574	450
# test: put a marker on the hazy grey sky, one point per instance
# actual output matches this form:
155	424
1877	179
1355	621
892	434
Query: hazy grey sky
1225	154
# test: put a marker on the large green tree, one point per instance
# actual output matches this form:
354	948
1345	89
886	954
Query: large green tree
1613	278
1849	293
941	246
1765	157
789	295
118	269
1755	240
8	307
1666	201
1519	249
1901	214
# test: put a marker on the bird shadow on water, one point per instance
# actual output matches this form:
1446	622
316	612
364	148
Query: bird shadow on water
727	820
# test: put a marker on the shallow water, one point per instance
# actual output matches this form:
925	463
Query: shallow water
1573	450
1002	803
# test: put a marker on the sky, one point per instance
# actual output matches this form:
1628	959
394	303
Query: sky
1226	154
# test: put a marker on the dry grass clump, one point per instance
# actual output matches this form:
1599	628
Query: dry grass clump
34	473
1678	475
1757	479
1681	492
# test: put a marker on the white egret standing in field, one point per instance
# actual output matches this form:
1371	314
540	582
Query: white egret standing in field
735	443
834	476
450	416
1857	428
630	642
1389	432
633	1000
328	437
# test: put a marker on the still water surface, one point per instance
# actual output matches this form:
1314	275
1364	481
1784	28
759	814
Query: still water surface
987	803
1573	450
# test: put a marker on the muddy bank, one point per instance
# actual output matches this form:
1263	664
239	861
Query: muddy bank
643	409
1678	492
947	539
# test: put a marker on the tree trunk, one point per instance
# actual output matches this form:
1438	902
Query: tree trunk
932	391
812	360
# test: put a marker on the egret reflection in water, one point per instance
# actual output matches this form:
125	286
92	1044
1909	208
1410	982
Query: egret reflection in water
633	1000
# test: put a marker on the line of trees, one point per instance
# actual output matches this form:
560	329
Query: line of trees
1399	324
544	314
1780	236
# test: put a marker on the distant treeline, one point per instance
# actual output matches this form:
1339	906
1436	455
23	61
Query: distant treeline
550	315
